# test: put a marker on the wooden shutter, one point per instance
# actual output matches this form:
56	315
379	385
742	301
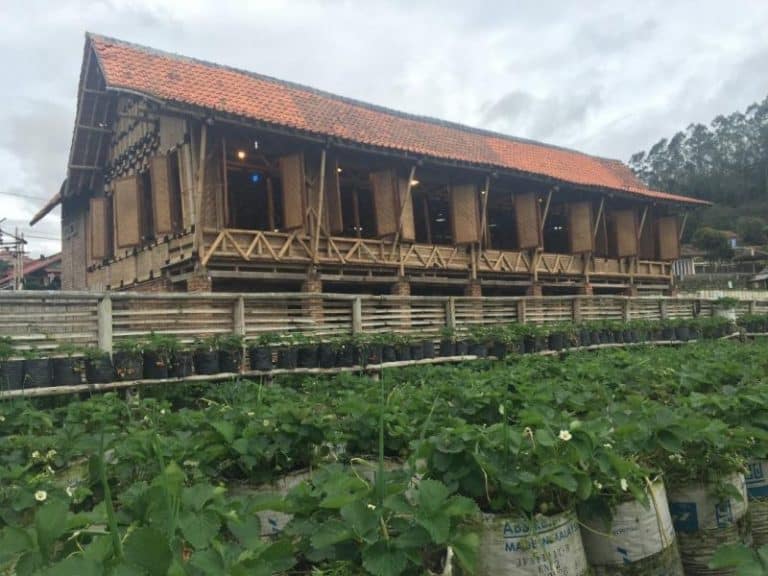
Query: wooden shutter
580	235
333	211
294	191
405	199
622	233
528	221
465	214
669	239
385	199
126	207
97	224
159	172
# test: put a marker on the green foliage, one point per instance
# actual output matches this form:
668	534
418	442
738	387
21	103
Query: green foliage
714	242
725	162
6	347
746	561
129	345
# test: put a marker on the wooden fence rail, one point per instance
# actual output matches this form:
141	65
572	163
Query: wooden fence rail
46	320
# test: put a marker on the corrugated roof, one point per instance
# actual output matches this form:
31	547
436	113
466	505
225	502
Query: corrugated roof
187	81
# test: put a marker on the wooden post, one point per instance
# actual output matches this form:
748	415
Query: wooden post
238	316
642	224
682	226
199	239
521	311
597	220
546	210
450	313
319	211
357	315
663	312
400	214
626	310
104	312
484	214
752	307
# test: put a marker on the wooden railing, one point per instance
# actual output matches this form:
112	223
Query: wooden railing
295	247
48	319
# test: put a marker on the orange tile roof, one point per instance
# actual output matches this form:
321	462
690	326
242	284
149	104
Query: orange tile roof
209	86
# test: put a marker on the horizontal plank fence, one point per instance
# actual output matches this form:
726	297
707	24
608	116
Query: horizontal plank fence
45	320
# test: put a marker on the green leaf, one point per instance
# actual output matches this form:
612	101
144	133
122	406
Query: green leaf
432	495
50	524
75	566
564	480
225	428
382	560
199	528
466	545
195	497
363	520
14	541
331	533
208	562
438	526
246	530
545	437
148	549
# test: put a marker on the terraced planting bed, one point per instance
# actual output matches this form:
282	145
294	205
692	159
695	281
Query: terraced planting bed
617	461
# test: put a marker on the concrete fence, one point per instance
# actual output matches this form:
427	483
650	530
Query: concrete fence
46	320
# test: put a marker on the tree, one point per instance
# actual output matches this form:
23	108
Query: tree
714	242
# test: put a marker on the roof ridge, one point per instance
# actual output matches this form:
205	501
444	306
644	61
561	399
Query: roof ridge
353	101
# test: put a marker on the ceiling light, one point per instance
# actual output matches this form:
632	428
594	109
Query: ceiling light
414	182
338	169
241	154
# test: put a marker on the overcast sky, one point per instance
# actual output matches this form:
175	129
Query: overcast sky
607	77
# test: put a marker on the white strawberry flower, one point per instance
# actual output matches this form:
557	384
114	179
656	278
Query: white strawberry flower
564	435
624	484
41	495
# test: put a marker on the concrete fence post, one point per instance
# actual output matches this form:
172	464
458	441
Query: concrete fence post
626	310
663	310
450	313
357	315
521	311
104	327
238	317
576	309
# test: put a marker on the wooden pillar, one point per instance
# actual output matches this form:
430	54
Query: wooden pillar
313	307
238	316
357	315
403	307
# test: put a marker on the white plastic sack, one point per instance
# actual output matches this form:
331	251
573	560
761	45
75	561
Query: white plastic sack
757	479
543	546
634	533
696	507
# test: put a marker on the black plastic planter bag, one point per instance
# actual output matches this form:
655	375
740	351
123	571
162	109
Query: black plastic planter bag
388	353
67	371
429	349
206	361
326	356
638	541
230	360
181	364
11	374
128	365
99	370
287	358
155	366
704	522
261	358
308	357
447	348
37	373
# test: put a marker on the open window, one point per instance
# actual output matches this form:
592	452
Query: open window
556	240
432	215
254	199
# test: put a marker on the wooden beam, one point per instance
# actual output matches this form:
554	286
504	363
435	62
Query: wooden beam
224	219
94	129
270	203
642	223
597	220
546	210
484	213
428	224
319	211
403	202
200	188
682	226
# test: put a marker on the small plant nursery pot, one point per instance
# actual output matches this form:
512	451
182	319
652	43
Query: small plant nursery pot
326	355
447	348
308	356
388	353
287	358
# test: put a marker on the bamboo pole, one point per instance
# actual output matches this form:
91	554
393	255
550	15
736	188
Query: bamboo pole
401	212
319	211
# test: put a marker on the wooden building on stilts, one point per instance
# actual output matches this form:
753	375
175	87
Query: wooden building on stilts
189	176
